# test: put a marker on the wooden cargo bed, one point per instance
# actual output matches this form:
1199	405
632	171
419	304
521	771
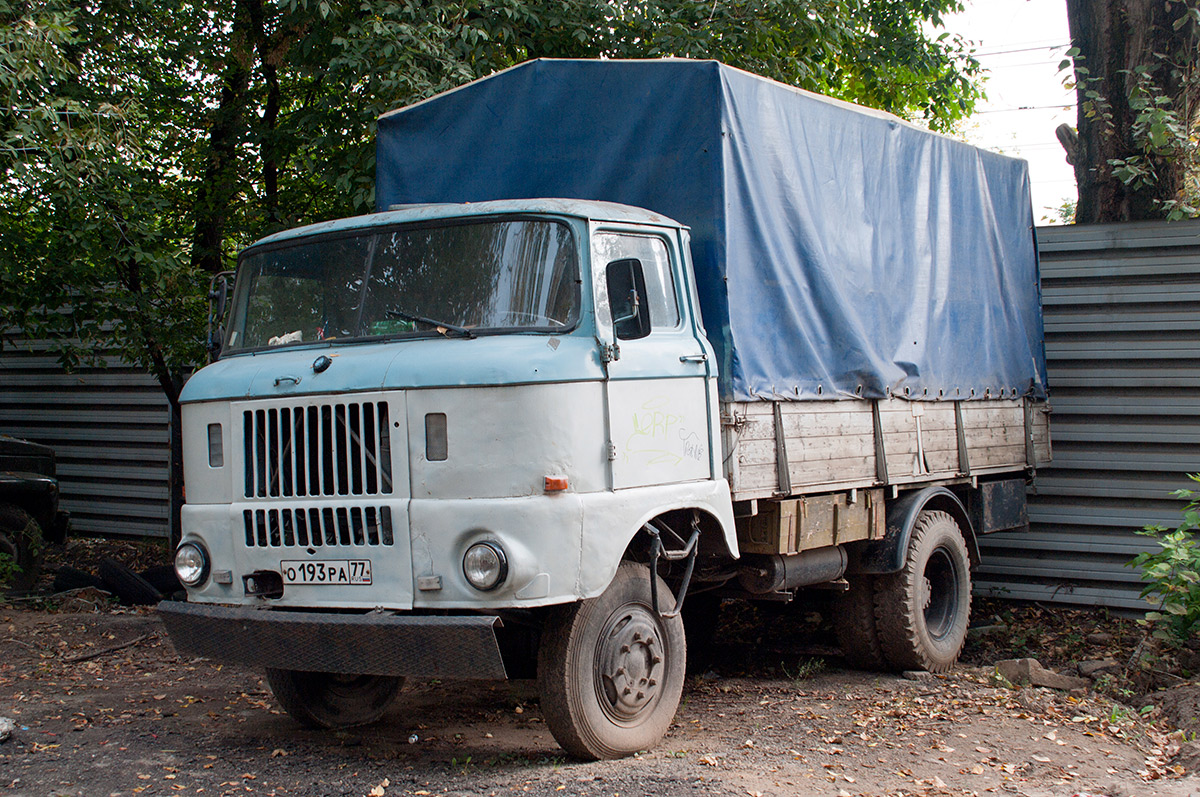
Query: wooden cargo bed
842	445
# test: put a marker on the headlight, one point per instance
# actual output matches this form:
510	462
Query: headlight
485	566
191	564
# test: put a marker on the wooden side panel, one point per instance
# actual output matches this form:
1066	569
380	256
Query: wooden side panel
832	444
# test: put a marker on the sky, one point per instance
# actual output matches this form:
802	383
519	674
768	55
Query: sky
1020	44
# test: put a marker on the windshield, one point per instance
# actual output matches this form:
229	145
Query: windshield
459	279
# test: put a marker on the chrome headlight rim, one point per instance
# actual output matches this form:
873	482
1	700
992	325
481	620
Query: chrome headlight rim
489	549
190	573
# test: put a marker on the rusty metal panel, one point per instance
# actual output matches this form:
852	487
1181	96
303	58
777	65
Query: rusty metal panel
1122	316
371	644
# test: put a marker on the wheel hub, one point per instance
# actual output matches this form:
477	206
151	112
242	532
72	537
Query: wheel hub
629	663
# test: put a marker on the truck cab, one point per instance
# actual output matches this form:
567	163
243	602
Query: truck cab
428	424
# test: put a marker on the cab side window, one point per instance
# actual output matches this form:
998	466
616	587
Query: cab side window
637	265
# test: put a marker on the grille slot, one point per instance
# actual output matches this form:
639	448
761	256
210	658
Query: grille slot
321	450
318	527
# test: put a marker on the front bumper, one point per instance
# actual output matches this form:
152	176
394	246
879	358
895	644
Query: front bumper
461	646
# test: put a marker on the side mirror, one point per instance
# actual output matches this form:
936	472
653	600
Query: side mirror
218	300
627	298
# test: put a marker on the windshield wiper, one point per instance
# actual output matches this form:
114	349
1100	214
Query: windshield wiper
440	326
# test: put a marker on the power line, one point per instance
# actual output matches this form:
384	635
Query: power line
1064	107
1023	49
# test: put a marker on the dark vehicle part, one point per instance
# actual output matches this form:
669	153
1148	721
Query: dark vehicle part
762	575
379	643
922	611
611	669
21	542
855	624
132	589
218	301
331	700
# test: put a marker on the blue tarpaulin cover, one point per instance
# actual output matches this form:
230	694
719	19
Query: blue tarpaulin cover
839	251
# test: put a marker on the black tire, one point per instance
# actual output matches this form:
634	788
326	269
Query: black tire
855	625
22	542
162	578
923	611
128	586
68	578
610	670
701	618
329	700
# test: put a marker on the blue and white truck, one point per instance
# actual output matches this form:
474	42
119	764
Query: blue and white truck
625	339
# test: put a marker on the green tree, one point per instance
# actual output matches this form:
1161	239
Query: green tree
1137	80
144	143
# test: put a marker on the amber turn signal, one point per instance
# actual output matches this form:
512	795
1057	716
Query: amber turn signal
556	484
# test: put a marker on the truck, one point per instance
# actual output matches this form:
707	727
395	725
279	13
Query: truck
30	515
624	340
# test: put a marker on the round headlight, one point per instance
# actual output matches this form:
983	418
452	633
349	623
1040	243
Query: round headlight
191	564
485	565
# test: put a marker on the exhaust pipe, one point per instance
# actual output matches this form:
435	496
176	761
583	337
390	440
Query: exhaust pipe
761	575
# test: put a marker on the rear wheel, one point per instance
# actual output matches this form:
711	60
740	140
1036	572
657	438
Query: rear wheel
611	669
922	612
331	700
854	622
21	545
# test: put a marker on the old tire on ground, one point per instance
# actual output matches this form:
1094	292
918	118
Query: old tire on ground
68	578
21	540
611	670
162	578
128	586
922	612
330	700
855	625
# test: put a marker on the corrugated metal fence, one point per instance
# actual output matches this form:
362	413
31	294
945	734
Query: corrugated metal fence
1122	309
108	427
1123	342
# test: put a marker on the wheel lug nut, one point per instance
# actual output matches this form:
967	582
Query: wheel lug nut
637	637
620	671
641	695
627	691
656	659
652	682
624	648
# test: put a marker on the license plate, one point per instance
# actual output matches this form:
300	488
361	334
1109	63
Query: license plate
326	571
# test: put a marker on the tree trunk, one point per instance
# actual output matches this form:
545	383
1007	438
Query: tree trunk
219	185
1114	37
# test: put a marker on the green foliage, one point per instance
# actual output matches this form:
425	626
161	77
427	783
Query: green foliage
1173	573
144	143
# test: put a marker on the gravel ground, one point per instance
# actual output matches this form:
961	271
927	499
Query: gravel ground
104	706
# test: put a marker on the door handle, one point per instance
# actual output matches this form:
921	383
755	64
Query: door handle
693	358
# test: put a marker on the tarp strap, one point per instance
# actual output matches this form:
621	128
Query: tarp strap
781	459
964	460
881	474
1030	453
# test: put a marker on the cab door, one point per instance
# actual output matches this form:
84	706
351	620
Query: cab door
658	389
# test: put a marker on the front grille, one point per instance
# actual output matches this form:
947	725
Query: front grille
318	527
323	450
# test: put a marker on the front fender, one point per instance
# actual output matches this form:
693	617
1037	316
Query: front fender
887	555
613	519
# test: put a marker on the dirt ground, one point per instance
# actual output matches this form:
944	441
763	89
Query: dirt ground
104	706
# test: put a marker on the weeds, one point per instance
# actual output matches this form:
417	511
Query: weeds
1171	574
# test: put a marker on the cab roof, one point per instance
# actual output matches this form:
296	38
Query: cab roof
401	214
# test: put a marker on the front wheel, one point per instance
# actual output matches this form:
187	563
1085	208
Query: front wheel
331	700
611	669
922	612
